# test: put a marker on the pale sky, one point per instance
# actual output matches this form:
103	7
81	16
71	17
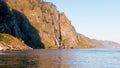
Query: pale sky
99	19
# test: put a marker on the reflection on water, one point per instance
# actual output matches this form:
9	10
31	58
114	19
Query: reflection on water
34	58
65	58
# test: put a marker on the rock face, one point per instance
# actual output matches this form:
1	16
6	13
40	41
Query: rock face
39	24
15	23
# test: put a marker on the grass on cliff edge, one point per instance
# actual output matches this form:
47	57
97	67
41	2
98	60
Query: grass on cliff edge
8	39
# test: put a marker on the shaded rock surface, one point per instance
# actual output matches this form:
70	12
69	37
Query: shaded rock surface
39	24
15	23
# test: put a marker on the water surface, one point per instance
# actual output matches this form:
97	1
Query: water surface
61	58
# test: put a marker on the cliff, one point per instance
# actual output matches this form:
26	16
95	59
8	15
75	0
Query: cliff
105	44
39	24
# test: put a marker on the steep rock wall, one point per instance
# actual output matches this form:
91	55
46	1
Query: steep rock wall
39	24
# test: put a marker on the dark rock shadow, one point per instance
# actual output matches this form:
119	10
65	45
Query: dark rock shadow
15	23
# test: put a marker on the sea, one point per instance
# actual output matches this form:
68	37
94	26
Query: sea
61	58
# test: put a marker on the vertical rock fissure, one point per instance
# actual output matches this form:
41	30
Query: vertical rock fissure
60	37
60	34
56	41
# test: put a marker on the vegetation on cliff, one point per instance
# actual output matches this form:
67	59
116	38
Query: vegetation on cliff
8	42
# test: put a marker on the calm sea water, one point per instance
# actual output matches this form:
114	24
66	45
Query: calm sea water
61	58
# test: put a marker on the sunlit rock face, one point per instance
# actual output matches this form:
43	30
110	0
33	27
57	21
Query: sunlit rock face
39	24
1	48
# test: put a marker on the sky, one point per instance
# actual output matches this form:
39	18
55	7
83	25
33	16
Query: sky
99	19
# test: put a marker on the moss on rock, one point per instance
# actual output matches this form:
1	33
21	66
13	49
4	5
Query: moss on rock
9	42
